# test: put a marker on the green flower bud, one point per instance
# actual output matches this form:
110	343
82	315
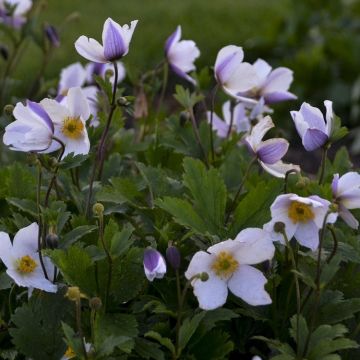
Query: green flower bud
98	209
8	109
95	303
204	276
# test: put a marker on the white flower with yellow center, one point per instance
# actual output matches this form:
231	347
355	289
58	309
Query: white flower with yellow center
69	119
22	260
228	265
303	217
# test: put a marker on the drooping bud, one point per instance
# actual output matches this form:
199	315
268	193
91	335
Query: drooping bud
52	35
154	264
279	227
173	257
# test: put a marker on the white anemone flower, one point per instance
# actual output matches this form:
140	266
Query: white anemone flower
116	40
154	264
31	131
232	74
181	54
303	217
69	120
269	152
228	265
237	119
346	193
21	257
73	75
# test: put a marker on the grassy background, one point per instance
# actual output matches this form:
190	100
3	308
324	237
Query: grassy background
211	23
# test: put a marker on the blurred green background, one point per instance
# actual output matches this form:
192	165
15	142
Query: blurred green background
318	39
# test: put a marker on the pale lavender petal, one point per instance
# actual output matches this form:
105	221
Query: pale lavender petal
279	96
348	217
313	117
228	58
314	139
334	185
279	169
278	80
329	116
182	74
174	37
90	49
272	150
151	259
307	234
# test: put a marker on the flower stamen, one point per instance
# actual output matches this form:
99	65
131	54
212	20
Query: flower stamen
72	127
300	212
26	265
224	265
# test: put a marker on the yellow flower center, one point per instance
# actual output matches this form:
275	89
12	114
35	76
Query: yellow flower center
300	212
69	353
224	265
26	265
72	127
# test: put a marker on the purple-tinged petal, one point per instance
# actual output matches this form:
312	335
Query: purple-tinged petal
348	217
334	185
113	42
52	35
218	125
272	150
182	74
151	259
262	68
228	58
314	139
173	257
278	80
173	38
313	117
329	116
279	169
38	110
279	96
259	131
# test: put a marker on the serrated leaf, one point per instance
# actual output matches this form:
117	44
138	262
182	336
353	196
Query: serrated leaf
148	349
299	332
72	161
26	205
164	341
121	241
76	234
188	329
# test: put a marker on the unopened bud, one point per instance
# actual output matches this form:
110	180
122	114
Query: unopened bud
123	101
8	109
98	209
184	117
173	257
52	241
95	303
109	73
279	227
52	35
204	276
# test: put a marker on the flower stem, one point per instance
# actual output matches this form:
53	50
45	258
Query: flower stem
197	136
233	204
79	328
100	154
286	180
323	163
38	201
213	97
109	259
297	287
53	179
333	252
162	95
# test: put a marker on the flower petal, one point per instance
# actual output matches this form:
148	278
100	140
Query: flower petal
314	139
78	104
279	169
113	41
228	58
90	49
5	249
259	131
248	284
348	217
307	234
272	150
71	76
329	117
279	96
313	117
26	240
200	262
279	80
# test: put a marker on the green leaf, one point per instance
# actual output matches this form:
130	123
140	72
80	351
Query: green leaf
164	341
76	234
76	267
254	209
188	329
72	161
115	331
186	99
28	206
72	339
37	326
299	332
148	349
121	241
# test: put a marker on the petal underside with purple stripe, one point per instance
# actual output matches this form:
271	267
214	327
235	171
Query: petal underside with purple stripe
279	96
38	110
314	139
272	150
151	259
114	46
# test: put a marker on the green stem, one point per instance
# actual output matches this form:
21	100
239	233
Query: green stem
38	202
333	252
197	136
233	204
100	153
297	287
213	97
79	327
323	163
162	95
